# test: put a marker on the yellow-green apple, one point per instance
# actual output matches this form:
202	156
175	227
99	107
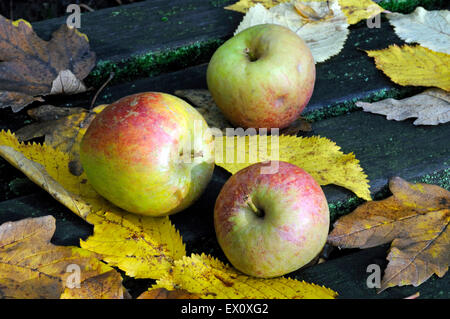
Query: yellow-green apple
149	153
271	224
263	77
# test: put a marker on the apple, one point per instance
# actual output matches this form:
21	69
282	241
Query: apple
148	153
269	225
263	77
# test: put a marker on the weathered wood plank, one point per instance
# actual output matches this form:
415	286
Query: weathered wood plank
119	32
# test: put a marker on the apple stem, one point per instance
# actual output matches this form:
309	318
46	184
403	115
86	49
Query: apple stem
254	208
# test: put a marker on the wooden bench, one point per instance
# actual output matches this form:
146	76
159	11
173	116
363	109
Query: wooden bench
165	46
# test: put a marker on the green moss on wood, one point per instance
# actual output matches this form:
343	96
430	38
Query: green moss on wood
345	107
152	63
407	6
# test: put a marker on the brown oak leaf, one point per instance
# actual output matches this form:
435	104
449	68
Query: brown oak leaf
31	67
415	219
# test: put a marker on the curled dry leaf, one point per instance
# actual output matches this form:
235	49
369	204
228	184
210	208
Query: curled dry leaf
209	278
355	10
325	28
414	65
430	29
32	267
204	103
415	219
31	67
148	246
317	155
431	107
62	132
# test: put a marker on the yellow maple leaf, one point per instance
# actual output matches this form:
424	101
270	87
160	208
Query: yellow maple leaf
355	10
209	278
414	65
317	155
148	237
32	267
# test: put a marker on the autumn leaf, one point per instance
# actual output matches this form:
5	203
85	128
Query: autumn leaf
31	67
204	103
319	156
355	10
209	278
414	65
324	30
150	244
135	243
431	107
162	293
63	133
428	28
32	267
415	219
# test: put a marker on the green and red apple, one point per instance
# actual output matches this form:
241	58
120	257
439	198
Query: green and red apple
148	153
263	77
269	225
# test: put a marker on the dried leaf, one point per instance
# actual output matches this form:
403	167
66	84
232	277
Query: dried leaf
355	10
415	219
415	65
105	286
162	293
431	107
31	67
48	168
324	31
32	267
211	279
428	28
64	133
319	156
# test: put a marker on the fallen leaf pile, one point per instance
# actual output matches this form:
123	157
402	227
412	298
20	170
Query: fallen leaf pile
32	267
415	219
430	107
143	247
149	245
31	67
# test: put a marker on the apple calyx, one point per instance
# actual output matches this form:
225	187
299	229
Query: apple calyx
251	56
